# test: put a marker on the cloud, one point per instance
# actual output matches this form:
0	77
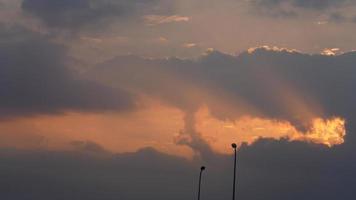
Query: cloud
74	14
330	52
294	171
92	176
307	4
268	169
36	79
336	18
88	147
191	137
273	84
153	20
189	45
284	85
294	8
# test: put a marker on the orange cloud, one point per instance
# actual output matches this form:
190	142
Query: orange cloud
219	134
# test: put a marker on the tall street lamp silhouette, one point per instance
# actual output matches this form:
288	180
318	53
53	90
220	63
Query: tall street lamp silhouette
202	168
234	146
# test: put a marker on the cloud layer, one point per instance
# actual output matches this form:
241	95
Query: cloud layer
307	4
73	14
298	8
266	170
283	85
36	79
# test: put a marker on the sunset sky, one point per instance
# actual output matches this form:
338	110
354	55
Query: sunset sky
126	99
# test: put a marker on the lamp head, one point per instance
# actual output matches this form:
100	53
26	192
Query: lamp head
234	145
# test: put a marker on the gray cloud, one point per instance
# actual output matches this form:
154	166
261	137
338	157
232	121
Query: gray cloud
295	171
308	4
35	79
294	8
191	137
268	169
146	174
74	14
338	17
88	147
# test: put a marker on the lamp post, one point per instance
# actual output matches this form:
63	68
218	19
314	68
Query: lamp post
202	168
234	146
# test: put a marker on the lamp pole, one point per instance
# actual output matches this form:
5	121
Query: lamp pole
202	168
234	146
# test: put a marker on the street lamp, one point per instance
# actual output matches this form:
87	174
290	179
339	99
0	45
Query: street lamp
234	146
202	168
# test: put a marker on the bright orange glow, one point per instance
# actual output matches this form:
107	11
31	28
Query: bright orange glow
248	129
329	132
157	126
153	126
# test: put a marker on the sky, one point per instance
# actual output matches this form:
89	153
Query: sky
126	99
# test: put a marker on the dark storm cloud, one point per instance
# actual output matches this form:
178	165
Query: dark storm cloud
73	14
265	79
35	79
267	170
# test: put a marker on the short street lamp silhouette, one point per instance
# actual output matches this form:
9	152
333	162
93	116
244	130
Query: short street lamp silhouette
202	168
234	146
